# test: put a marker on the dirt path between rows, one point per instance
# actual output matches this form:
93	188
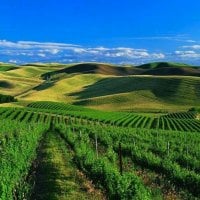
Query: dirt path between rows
57	178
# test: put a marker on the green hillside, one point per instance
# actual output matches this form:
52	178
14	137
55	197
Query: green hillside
99	131
94	68
157	68
102	86
7	67
142	92
155	65
169	68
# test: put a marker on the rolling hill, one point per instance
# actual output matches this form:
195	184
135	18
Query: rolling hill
158	68
7	67
167	68
141	92
155	65
155	86
95	68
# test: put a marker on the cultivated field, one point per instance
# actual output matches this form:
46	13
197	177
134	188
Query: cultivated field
96	131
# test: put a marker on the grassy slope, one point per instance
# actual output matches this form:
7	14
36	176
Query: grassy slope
157	68
114	93
169	68
142	92
13	85
102	91
7	67
96	68
154	65
60	90
21	79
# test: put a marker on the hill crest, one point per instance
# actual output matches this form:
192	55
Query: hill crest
159	68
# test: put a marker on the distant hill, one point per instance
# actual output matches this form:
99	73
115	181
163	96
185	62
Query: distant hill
7	67
157	68
144	91
96	68
168	68
106	86
156	65
178	71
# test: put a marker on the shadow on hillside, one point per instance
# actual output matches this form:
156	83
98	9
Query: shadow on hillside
173	71
5	84
43	86
160	87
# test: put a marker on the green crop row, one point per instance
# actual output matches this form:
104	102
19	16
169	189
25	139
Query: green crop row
166	152
102	171
18	143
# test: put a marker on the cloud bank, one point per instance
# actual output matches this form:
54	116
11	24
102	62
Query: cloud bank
30	51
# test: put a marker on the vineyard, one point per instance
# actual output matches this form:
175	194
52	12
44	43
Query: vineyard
120	155
183	121
96	102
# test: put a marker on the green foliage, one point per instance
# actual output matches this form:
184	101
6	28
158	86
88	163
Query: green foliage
56	106
17	149
102	171
7	67
155	65
164	152
7	98
145	141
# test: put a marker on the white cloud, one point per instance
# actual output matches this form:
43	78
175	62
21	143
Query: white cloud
33	45
196	46
158	55
78	50
101	49
28	51
128	53
54	51
133	53
13	61
179	38
187	54
191	41
41	55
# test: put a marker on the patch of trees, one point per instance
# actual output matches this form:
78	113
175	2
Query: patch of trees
7	98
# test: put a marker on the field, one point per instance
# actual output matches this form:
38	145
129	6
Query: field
96	131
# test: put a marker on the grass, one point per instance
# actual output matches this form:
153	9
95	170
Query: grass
60	90
57	176
122	93
106	92
141	92
7	67
154	65
22	79
157	68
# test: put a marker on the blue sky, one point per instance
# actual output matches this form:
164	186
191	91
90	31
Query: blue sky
128	31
